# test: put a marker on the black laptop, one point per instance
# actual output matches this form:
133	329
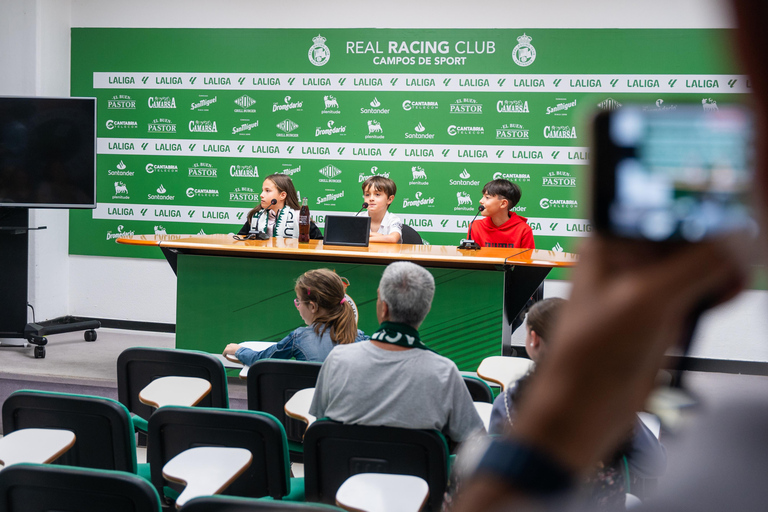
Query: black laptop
343	230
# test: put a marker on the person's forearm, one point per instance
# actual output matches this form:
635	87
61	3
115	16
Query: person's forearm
391	238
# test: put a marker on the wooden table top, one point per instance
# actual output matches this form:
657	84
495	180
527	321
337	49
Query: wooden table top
290	248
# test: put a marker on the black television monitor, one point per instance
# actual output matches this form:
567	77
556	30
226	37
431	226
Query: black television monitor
47	152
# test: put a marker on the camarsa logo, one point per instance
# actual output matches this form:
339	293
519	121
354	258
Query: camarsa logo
512	107
243	171
560	132
206	126
161	102
319	54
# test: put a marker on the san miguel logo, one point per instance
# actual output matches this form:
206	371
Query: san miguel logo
524	53
319	54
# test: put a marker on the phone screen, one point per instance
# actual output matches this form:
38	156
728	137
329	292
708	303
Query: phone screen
678	175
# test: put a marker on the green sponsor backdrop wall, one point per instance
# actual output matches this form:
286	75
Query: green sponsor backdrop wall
190	121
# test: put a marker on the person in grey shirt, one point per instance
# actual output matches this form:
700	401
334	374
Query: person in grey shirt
394	379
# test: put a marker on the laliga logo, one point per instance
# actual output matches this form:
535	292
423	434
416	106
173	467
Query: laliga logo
319	54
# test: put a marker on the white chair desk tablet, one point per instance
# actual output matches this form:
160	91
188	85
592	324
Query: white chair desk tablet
298	405
253	345
173	390
35	445
380	492
484	411
503	370
206	470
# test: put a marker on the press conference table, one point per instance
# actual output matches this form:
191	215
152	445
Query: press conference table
233	291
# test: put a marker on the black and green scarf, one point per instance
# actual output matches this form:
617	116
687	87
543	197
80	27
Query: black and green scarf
402	335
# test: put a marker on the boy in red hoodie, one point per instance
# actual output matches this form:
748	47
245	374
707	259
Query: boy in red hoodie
501	227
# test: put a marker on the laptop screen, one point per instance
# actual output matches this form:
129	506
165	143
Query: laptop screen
343	230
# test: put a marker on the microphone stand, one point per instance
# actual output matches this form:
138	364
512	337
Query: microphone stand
468	243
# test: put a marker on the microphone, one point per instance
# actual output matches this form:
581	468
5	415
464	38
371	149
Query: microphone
365	205
258	235
469	243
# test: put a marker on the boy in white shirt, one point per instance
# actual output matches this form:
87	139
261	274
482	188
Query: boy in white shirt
378	193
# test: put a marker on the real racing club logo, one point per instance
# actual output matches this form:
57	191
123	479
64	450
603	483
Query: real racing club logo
319	54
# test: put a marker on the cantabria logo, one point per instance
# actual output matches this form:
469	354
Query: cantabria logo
331	130
465	130
244	128
512	106
203	104
243	171
560	132
202	192
330	198
562	107
559	179
161	126
375	108
418	200
419	105
287	104
205	126
121	102
162	194
466	106
245	103
558	203
319	54
524	53
119	233
511	131
202	170
111	125
419	133
512	176
375	130
465	181
152	168
161	102
244	195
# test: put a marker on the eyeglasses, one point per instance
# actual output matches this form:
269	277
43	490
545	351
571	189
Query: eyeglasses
296	302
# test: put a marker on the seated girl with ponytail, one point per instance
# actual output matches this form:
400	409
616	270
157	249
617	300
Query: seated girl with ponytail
278	212
329	316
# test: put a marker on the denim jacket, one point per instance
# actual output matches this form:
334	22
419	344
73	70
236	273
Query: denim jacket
302	344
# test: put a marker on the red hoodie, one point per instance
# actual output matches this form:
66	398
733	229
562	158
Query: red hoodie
514	233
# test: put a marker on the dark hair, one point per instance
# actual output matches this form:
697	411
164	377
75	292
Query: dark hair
382	183
325	288
283	184
504	189
542	316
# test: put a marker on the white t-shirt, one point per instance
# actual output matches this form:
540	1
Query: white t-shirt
391	223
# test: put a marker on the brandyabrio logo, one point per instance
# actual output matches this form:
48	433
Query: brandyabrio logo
558	203
205	126
512	106
374	130
609	104
419	133
331	105
162	194
330	198
121	191
245	127
203	104
119	233
291	172
287	126
466	106
202	192
202	170
511	131
111	125
244	171
559	179
245	102
121	102
512	176
465	130
244	195
375	108
161	102
161	126
560	132
319	54
562	107
329	172
418	200
419	105
152	168
287	105
120	170
331	130
464	181
524	53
